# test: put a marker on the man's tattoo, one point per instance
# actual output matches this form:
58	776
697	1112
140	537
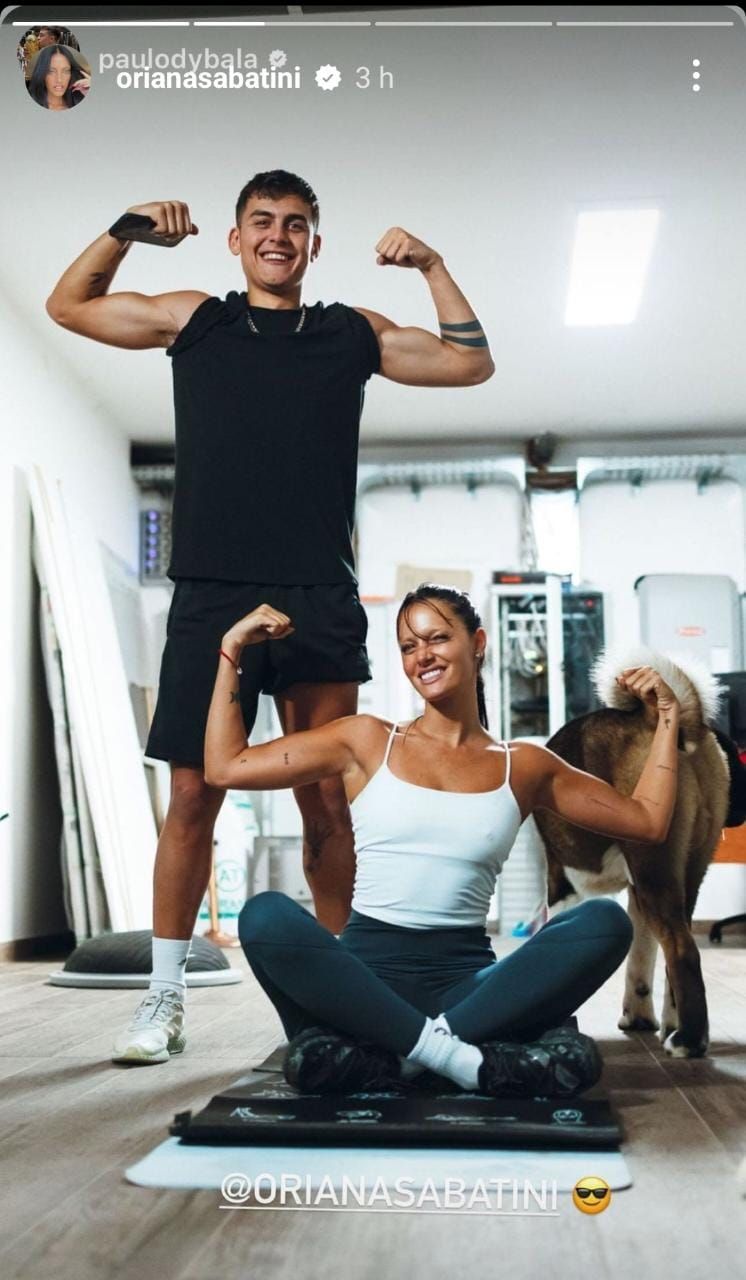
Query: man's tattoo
466	342
449	332
667	723
235	697
285	757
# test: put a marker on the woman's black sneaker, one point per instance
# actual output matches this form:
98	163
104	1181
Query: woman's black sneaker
558	1064
323	1061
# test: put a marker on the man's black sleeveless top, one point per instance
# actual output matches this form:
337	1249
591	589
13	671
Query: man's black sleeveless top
267	431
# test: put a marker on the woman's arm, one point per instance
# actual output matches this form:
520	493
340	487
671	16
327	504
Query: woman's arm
588	802
292	761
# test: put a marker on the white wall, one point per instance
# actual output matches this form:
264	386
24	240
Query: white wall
664	526
444	527
47	419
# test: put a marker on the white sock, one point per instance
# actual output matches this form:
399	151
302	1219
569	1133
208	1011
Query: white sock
409	1069
169	964
440	1050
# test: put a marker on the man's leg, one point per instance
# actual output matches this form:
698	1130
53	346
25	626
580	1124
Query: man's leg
184	856
328	848
182	870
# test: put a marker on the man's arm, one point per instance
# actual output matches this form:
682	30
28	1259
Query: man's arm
460	357
80	300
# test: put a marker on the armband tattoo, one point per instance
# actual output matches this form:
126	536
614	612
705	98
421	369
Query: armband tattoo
449	333
467	326
466	342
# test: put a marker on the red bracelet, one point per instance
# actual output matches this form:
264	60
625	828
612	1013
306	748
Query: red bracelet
239	670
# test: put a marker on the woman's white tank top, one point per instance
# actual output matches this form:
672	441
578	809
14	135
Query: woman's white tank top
429	859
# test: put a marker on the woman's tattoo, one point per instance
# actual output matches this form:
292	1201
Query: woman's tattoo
235	697
287	761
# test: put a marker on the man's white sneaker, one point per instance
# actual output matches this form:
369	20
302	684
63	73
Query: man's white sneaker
155	1032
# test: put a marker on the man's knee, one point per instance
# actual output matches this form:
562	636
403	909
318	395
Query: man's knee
193	801
325	813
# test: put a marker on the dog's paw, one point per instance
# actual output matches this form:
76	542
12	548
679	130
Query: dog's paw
635	1020
674	1044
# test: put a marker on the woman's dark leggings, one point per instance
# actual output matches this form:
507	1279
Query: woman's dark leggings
376	981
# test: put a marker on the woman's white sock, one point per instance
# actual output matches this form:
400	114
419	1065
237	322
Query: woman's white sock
441	1051
169	964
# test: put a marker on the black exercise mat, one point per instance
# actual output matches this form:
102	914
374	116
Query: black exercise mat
258	1111
275	1060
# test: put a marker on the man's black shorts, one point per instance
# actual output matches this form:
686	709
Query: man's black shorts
328	645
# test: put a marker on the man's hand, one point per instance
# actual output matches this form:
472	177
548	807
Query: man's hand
171	217
397	248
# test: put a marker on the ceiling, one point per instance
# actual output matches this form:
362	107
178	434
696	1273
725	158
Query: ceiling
487	145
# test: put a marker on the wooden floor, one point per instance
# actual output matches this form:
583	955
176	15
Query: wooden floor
72	1122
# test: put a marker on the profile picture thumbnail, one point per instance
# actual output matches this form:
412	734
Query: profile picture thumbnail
57	75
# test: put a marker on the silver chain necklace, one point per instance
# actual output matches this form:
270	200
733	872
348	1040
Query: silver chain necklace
252	326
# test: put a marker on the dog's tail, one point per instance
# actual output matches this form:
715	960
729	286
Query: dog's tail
695	687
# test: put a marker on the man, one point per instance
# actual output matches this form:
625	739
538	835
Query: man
268	397
47	35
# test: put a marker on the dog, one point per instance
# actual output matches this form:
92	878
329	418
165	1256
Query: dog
662	880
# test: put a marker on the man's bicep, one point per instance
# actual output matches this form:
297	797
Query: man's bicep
134	321
415	357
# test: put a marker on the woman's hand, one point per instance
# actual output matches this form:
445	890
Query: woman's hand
82	85
263	623
649	687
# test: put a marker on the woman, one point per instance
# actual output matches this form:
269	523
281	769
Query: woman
58	81
412	982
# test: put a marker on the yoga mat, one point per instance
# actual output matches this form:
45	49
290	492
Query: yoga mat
275	1060
174	1165
260	1109
206	978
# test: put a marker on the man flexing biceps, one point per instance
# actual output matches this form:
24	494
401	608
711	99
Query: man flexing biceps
268	395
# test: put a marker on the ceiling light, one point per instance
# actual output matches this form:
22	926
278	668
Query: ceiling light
610	259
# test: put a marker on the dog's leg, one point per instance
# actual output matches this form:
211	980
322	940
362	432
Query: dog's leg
690	1037
564	904
560	892
669	1012
638	1013
687	1039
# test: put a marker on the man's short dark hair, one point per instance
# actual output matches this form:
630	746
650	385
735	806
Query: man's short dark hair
274	185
